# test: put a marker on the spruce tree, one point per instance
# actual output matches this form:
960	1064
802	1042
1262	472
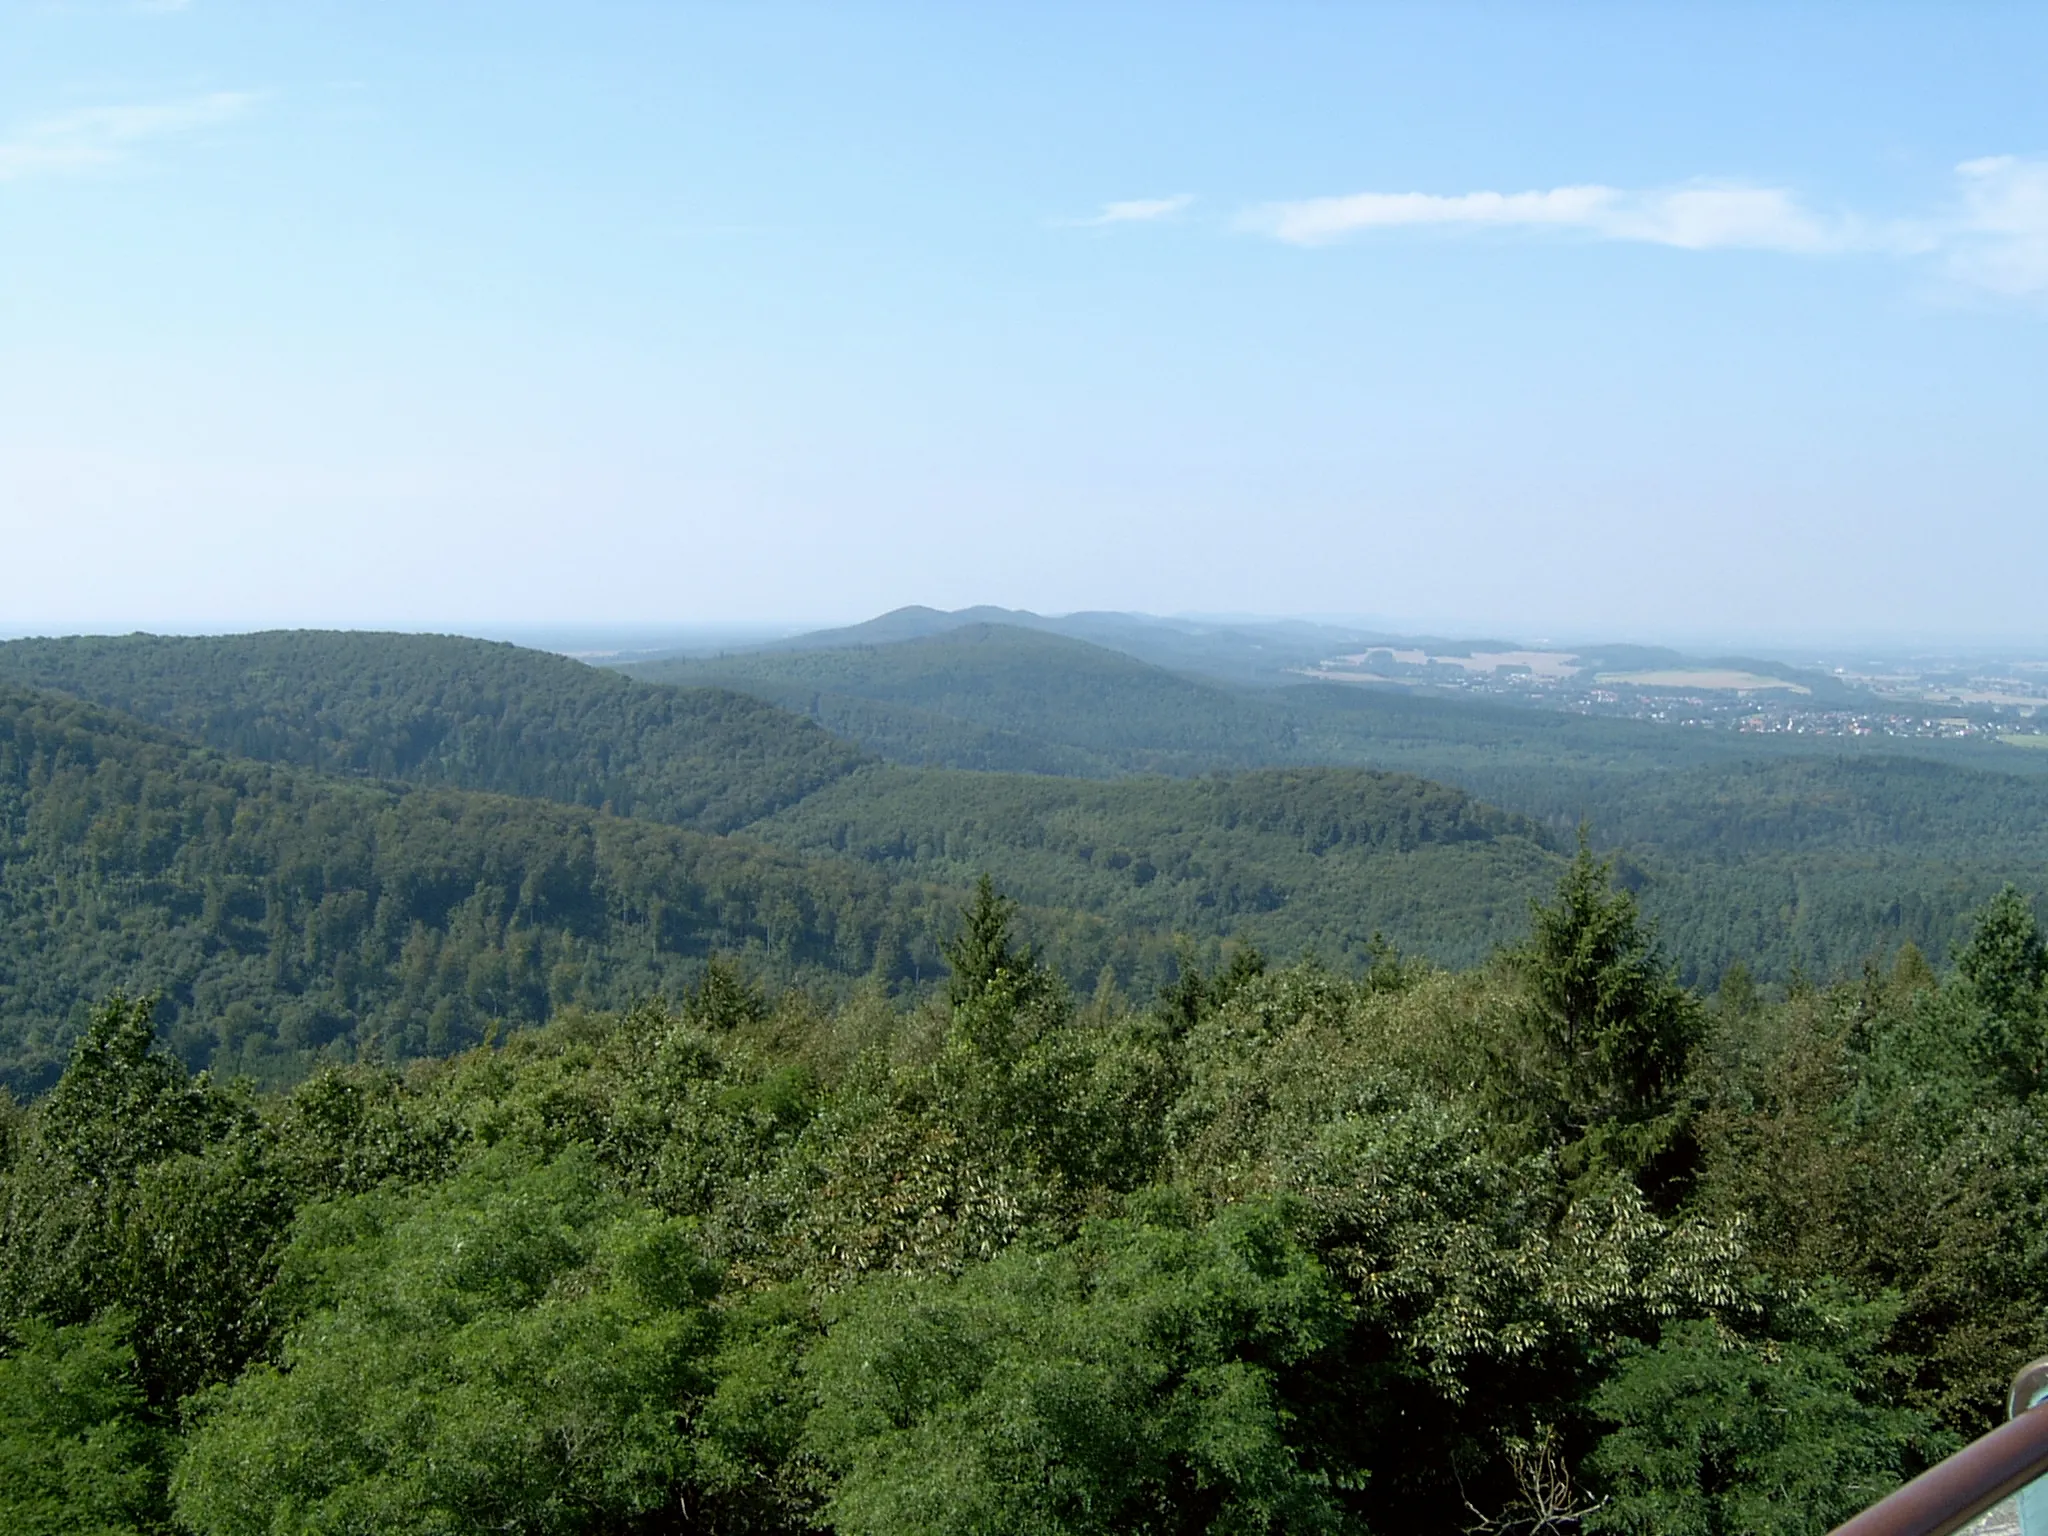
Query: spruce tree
1610	1027
980	952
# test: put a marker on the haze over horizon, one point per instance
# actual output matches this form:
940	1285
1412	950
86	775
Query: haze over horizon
596	639
1544	322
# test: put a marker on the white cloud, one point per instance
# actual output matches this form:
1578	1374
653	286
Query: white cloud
1319	220
1694	217
1138	211
1992	238
1726	218
96	136
1998	241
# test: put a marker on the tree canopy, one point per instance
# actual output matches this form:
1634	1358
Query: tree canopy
1284	1250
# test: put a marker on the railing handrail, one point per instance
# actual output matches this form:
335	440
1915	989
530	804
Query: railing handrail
1948	1496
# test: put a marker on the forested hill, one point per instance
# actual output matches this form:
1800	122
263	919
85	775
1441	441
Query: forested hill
1253	652
999	697
283	915
442	710
286	915
1286	859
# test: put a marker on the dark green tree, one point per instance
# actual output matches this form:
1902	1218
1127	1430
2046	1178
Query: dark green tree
723	998
1186	1000
981	951
1607	1031
86	1220
2005	965
1131	1381
79	1453
1003	996
1717	1436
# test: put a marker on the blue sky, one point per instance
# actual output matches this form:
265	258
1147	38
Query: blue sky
1707	322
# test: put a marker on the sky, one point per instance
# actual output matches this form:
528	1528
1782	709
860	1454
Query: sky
1656	322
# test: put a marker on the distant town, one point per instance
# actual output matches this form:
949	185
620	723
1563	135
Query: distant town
1982	698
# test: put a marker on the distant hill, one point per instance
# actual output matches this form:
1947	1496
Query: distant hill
990	697
442	710
1034	702
1257	653
1254	653
1778	850
915	622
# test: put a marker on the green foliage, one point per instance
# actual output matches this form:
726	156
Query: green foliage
512	1350
114	1202
980	954
79	1454
1354	1245
751	1466
1717	1436
1284	860
1866	1134
1130	1381
1275	1253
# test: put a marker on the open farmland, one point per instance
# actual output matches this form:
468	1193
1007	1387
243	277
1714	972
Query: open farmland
1717	679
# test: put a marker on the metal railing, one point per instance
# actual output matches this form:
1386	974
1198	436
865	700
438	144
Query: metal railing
1978	1478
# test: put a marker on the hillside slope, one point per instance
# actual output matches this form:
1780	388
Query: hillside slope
465	714
284	915
281	913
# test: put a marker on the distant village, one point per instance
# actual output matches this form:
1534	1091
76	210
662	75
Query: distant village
1990	700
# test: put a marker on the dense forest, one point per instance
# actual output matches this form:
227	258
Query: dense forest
281	916
1285	859
1809	865
965	695
442	710
1776	852
338	847
1549	1244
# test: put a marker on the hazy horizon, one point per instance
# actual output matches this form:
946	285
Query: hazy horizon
598	638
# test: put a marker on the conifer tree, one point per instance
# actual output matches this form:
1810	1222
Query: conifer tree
2005	966
1610	1027
1001	993
980	952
